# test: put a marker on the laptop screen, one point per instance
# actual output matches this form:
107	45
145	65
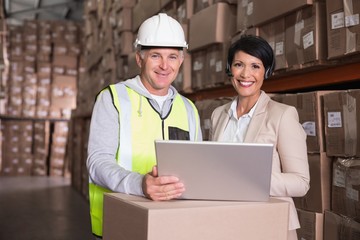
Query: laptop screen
218	170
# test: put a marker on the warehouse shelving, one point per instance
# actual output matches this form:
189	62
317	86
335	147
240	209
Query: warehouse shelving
346	74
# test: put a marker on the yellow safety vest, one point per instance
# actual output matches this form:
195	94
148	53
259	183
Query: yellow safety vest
141	129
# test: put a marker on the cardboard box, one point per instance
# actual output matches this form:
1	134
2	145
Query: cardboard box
125	43
185	10
43	69
257	12
306	36
17	147
63	93
343	27
310	109
77	142
201	4
311	225
137	218
123	3
199	69
43	96
338	227
311	117
123	20
352	186
170	9
183	81
317	199
142	11
342	114
216	60
346	187
132	68
207	26
41	139
65	61
250	31
274	33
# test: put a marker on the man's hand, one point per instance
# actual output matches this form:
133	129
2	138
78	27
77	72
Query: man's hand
161	188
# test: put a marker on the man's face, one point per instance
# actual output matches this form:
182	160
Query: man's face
159	68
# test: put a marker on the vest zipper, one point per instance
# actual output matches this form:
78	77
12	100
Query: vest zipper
163	127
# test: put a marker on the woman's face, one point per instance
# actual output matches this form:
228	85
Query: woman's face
248	74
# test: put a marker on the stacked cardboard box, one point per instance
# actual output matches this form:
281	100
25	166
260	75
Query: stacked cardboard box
16	148
74	150
341	123
310	109
15	77
330	120
343	27
311	207
77	153
58	155
43	56
312	224
33	148
1	145
41	143
337	227
255	13
341	112
41	87
305	37
345	188
2	60
208	44
295	30
84	172
274	33
109	36
65	62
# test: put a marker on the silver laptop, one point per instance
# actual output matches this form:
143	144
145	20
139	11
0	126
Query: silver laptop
217	170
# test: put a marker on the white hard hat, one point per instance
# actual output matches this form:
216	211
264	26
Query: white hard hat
161	31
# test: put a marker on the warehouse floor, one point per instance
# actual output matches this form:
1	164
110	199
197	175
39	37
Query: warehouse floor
40	208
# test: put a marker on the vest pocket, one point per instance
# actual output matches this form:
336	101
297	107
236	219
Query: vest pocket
178	134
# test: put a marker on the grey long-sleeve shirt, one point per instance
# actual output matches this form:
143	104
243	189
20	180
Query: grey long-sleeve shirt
104	139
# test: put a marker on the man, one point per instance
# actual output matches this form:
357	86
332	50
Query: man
128	117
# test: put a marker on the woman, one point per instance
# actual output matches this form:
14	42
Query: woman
253	117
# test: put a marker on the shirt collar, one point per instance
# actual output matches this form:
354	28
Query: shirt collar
233	113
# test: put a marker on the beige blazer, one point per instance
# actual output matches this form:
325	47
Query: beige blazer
278	124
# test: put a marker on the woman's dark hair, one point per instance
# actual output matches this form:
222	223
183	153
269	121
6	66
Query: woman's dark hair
256	47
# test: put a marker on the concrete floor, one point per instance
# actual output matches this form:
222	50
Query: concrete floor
37	208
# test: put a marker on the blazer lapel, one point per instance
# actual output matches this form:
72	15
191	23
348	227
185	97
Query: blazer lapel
258	119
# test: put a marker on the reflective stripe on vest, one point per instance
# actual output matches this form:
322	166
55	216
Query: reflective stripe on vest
138	130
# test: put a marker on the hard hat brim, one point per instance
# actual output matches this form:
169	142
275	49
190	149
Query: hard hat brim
144	47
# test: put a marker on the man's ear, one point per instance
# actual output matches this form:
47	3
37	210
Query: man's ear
182	59
138	58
